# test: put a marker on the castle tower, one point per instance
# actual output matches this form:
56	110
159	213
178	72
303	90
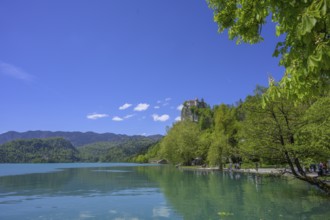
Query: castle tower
190	109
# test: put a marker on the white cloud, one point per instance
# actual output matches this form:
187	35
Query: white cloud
141	107
157	107
167	101
116	118
15	72
94	116
128	116
160	117
179	107
178	118
125	106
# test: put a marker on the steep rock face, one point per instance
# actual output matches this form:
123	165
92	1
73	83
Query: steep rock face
190	109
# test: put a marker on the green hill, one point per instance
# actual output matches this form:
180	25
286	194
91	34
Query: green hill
77	139
38	151
115	151
106	147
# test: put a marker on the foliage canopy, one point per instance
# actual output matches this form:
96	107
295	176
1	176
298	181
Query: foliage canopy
305	50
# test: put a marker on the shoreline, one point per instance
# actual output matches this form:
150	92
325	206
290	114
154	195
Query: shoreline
261	171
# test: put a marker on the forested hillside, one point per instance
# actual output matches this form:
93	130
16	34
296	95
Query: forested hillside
76	138
58	149
38	151
114	151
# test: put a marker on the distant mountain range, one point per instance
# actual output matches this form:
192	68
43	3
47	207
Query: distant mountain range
77	139
60	146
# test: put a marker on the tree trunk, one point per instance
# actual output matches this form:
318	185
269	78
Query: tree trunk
288	159
321	184
300	173
316	182
300	169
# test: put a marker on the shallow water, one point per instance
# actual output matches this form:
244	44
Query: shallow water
132	191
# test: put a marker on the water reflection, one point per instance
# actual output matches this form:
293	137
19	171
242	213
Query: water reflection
158	192
80	193
73	181
214	195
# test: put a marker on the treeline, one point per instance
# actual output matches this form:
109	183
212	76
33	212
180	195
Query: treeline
59	150
274	131
78	139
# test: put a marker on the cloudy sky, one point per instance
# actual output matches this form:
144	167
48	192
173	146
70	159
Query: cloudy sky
119	66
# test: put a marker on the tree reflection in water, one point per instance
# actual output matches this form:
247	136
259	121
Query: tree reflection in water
202	194
159	192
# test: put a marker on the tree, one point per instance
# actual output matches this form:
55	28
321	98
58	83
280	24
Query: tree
205	142
226	125
205	118
305	51
313	137
218	152
261	135
278	132
181	142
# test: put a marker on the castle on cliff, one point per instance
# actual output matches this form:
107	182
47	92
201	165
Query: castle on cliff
190	109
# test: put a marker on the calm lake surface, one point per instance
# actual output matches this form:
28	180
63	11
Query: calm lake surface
132	191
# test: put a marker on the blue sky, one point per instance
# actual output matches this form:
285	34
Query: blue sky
119	66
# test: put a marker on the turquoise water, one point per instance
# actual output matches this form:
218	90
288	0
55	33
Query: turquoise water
131	191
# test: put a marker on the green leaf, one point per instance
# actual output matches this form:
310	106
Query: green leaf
314	60
308	24
324	8
278	30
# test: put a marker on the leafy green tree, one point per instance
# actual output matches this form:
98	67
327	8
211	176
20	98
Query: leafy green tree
141	159
152	154
218	151
305	50
225	131
205	118
272	133
313	137
205	142
181	142
259	138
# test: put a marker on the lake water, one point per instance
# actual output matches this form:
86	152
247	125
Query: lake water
131	191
